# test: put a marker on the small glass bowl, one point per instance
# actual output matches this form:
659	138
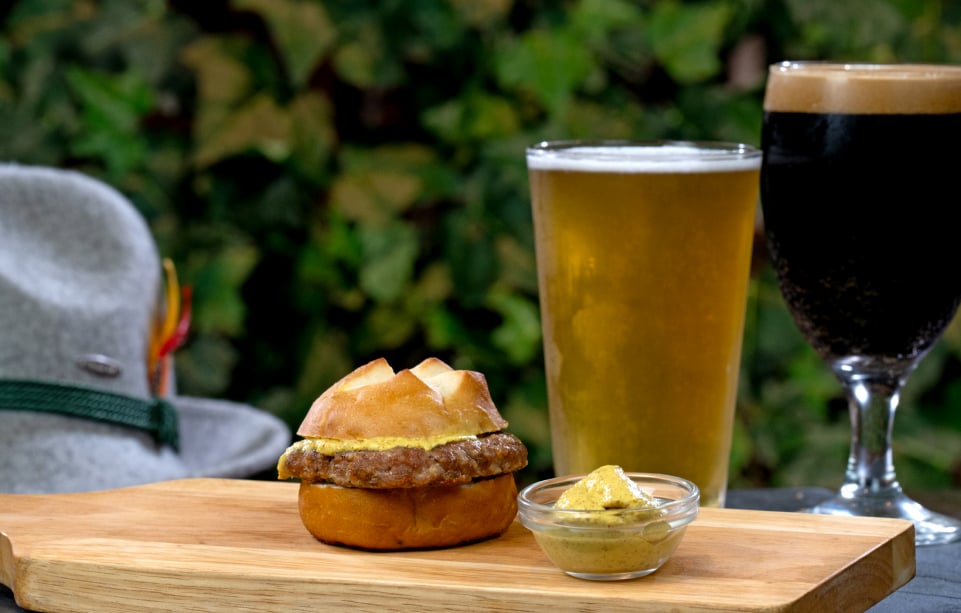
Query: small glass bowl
612	544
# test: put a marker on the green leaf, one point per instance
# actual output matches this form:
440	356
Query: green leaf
473	261
860	30
519	335
433	285
224	82
518	270
473	117
313	137
549	64
586	119
687	38
223	79
482	13
388	327
302	30
327	359
258	125
340	242
113	106
372	196
205	364
442	329
595	19
118	100
389	254
376	185
217	279
364	61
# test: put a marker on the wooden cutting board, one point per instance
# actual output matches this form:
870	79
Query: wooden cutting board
235	545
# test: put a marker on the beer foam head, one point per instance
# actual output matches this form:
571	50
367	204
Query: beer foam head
640	157
883	89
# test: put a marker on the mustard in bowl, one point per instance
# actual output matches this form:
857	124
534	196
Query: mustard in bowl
609	525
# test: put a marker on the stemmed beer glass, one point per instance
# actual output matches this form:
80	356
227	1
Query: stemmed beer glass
858	191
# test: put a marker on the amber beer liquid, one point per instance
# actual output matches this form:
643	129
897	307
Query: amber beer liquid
643	256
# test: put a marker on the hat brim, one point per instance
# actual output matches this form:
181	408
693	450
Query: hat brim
44	453
219	438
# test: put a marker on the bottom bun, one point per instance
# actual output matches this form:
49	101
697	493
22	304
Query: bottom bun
412	518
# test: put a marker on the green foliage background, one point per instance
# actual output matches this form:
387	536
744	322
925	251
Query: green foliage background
341	180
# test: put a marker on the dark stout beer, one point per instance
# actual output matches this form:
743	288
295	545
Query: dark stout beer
859	194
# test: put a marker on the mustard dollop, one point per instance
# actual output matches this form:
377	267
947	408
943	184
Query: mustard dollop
607	487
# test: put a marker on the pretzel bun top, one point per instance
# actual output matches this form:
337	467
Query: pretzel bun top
430	400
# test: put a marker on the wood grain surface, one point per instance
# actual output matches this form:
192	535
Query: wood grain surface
236	545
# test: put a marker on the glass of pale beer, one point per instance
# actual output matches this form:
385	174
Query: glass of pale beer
643	257
858	192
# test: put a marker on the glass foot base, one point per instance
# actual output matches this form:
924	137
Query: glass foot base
930	528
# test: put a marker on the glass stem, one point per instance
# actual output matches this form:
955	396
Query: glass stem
872	402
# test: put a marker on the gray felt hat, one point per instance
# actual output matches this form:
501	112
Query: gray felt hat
80	285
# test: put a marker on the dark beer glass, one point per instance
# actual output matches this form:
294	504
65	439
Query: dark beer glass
858	191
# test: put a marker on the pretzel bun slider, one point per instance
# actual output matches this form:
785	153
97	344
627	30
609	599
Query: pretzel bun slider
409	460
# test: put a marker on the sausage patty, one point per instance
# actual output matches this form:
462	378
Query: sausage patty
453	463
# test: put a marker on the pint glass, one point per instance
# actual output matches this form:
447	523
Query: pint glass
643	256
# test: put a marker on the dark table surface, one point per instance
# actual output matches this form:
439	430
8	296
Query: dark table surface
936	588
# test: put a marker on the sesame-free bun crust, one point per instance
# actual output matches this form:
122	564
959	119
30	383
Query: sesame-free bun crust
410	518
430	400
